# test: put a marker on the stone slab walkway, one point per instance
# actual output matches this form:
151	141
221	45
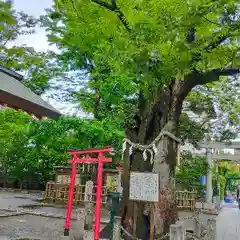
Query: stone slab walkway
228	224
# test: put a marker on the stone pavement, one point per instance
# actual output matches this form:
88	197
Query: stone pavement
228	224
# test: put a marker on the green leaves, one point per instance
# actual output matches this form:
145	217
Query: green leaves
138	49
37	146
190	170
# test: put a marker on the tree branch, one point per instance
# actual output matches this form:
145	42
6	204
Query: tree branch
215	43
201	78
210	21
219	40
114	3
104	4
213	75
114	8
76	11
197	57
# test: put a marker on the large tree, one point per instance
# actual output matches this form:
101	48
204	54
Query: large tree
144	58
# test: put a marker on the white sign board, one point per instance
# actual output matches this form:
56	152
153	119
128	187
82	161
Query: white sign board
144	187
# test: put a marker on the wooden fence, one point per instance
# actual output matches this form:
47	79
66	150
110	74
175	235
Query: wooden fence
56	192
14	182
186	199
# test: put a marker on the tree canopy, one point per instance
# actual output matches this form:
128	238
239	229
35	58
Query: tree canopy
30	147
136	50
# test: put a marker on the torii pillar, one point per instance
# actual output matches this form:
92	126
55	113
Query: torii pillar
209	193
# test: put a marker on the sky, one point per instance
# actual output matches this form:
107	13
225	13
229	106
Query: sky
34	8
38	40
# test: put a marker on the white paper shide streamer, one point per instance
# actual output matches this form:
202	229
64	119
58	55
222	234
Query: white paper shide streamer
151	148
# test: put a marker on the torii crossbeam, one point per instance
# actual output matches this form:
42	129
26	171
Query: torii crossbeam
83	156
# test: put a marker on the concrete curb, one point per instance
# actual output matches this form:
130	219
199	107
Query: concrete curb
19	212
23	191
210	211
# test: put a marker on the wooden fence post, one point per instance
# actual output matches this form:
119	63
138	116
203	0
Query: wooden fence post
117	228
177	231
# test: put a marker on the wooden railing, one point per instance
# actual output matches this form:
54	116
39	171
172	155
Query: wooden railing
56	192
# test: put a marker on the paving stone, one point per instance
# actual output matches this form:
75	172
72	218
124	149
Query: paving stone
228	224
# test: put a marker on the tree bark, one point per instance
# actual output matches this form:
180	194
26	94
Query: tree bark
165	211
165	113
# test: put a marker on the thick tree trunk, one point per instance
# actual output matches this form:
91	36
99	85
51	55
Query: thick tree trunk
165	211
164	114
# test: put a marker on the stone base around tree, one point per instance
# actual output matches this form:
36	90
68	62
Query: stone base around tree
199	205
207	208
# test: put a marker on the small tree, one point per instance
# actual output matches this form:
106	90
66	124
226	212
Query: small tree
190	170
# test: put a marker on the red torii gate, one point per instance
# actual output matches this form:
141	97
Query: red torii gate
86	158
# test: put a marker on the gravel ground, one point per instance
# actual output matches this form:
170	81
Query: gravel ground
188	224
14	200
33	227
46	228
30	226
2	212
